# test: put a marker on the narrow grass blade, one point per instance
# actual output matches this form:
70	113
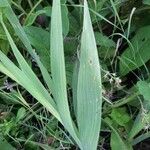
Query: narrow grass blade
21	34
89	97
25	67
11	70
7	72
58	70
141	138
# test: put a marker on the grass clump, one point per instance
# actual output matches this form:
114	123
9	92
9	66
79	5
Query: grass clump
74	74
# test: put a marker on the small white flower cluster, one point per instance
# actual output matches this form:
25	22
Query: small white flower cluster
8	86
113	79
107	94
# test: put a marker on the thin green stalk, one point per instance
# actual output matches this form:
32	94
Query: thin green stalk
126	100
117	15
141	138
29	14
130	19
19	7
30	4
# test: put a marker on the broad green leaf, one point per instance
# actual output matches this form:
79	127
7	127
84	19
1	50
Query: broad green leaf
5	145
64	13
48	11
120	116
117	142
69	70
89	98
20	114
58	70
136	55
114	142
39	38
144	89
70	46
74	22
143	118
7	72
103	40
106	46
147	2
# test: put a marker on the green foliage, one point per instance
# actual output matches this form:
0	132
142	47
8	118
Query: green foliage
142	120
74	74
20	114
5	145
58	70
117	143
120	116
144	88
89	98
58	105
106	46
39	38
137	54
116	140
147	2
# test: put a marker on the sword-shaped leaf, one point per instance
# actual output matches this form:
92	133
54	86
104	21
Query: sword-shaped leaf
89	97
58	70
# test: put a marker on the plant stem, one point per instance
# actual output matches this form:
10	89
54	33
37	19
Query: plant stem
29	14
30	4
19	7
126	100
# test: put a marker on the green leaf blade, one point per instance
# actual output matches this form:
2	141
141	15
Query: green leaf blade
143	118
89	98
58	70
11	70
138	54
